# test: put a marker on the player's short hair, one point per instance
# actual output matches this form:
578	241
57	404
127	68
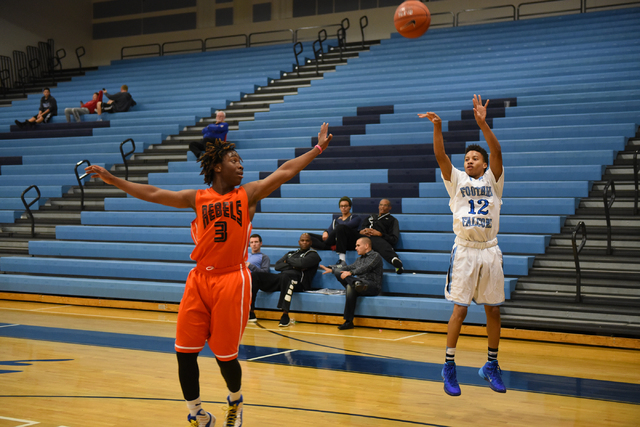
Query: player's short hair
46	88
213	155
256	236
345	199
125	87
479	149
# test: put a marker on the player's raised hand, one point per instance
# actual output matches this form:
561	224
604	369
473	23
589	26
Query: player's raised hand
479	110
100	172
431	116
323	138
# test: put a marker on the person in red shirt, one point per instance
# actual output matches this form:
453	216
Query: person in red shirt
88	108
217	296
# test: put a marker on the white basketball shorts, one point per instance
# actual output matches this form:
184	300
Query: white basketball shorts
475	273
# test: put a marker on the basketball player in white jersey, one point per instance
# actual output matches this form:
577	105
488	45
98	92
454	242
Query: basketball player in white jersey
475	270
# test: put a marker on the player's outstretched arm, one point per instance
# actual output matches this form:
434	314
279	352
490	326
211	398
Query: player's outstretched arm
258	190
495	151
148	193
444	162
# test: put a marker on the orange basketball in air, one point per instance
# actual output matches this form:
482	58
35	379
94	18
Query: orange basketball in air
412	19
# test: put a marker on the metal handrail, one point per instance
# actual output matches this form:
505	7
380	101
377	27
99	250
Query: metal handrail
245	44
348	24
27	206
363	26
453	19
80	55
124	156
23	77
80	178
576	251
296	55
159	52
607	206
608	5
271	32
322	37
314	27
342	40
200	49
519	15
636	168
513	15
317	56
59	58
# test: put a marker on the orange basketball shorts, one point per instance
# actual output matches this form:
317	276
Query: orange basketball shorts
214	309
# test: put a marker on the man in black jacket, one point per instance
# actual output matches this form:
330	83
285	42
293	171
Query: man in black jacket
383	230
296	268
118	103
362	278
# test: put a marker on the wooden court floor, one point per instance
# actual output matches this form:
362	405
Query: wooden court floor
77	366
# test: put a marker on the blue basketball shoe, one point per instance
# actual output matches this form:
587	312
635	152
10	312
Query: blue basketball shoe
202	419
451	386
493	374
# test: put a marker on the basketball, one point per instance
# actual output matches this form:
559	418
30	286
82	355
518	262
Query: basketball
412	19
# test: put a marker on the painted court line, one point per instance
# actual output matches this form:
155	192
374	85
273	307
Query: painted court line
29	423
289	331
100	316
410	336
6	326
50	308
270	355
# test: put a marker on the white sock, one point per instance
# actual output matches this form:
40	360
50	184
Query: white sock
342	257
235	396
194	406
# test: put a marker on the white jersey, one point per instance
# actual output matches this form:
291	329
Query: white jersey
475	204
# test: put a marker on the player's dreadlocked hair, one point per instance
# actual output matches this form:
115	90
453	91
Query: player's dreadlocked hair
214	154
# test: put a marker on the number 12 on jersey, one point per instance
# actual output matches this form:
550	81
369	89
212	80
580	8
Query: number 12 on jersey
483	205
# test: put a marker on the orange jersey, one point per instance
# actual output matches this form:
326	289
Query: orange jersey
221	229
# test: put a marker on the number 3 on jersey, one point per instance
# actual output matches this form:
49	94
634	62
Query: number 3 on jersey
221	231
482	203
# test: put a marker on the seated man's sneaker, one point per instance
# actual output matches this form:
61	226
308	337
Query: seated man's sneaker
492	373
398	265
202	419
284	321
252	317
360	287
450	377
346	325
233	417
340	263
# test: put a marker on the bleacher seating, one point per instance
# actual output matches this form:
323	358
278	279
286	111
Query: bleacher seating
564	100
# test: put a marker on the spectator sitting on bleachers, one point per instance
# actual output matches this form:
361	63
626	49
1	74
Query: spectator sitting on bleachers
363	277
118	103
257	261
383	230
88	108
328	238
217	130
296	268
48	109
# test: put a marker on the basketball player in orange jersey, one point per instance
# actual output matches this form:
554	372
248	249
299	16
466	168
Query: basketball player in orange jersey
217	296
